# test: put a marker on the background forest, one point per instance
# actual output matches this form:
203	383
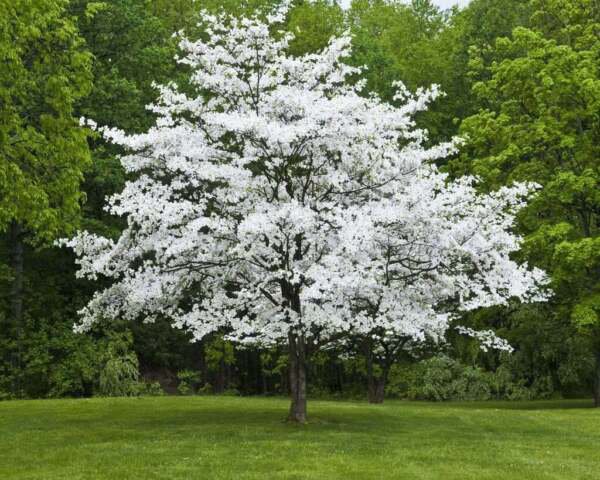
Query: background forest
522	88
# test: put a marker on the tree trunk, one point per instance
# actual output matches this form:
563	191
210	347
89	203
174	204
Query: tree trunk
597	381
376	389
16	264
297	377
16	298
376	384
221	378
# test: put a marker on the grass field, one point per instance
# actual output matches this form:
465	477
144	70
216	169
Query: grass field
245	438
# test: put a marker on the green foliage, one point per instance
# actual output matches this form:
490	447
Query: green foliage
539	91
219	352
43	151
205	389
273	368
55	362
76	370
59	363
398	42
149	389
45	72
469	39
273	362
119	375
413	43
443	378
189	381
313	24
132	48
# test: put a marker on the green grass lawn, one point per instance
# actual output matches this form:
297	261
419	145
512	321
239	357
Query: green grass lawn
245	438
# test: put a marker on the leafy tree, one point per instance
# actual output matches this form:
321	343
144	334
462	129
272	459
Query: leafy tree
313	24
539	122
220	357
44	149
397	40
468	33
46	70
412	42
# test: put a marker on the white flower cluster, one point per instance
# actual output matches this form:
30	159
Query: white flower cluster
487	339
278	199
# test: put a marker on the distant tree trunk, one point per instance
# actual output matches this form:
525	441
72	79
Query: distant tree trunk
264	383
16	297
376	389
297	378
597	381
375	382
340	377
221	378
16	264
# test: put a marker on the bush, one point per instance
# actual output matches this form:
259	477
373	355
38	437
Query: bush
150	389
472	383
189	381
231	392
54	362
205	389
443	378
504	386
119	377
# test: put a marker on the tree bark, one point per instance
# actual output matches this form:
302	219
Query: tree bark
16	249
375	384
16	264
297	378
220	379
597	381
376	389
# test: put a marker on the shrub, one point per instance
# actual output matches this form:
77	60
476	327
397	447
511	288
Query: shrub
443	378
231	392
119	377
150	389
189	381
205	389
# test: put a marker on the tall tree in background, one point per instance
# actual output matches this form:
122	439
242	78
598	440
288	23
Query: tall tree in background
541	98
44	150
417	43
313	23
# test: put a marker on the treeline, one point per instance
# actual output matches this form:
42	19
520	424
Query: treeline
522	88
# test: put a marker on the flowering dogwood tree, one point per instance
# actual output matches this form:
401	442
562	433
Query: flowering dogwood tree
260	205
